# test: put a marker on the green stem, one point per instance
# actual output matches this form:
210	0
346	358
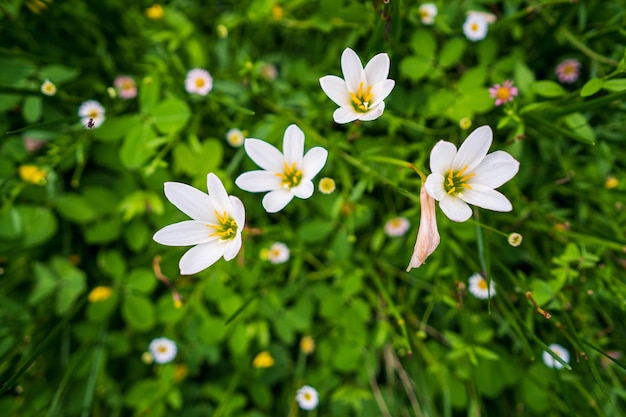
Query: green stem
572	39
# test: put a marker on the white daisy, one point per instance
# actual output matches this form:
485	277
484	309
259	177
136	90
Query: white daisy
560	351
198	81
48	88
469	175
360	96
427	13
475	27
235	137
91	113
278	253
307	398
397	226
283	175
480	288
163	350
215	230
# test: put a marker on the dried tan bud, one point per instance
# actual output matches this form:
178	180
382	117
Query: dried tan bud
427	235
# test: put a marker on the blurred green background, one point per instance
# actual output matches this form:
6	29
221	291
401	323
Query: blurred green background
79	212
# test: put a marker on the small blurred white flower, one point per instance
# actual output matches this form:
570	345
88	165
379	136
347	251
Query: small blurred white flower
163	350
397	226
307	398
198	81
326	185
283	175
360	96
278	253
91	112
235	137
48	88
560	351
427	13
475	27
479	287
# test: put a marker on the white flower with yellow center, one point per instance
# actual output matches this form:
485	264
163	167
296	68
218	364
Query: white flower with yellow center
163	350
48	88
476	26
469	175
560	351
235	137
278	253
360	96
215	230
283	175
307	398
198	81
397	226
480	288
91	113
427	13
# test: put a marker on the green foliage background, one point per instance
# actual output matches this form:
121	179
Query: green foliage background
388	342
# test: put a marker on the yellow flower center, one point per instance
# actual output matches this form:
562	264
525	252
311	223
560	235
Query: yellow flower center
482	284
569	69
199	82
456	182
503	93
327	185
474	27
308	396
291	177
93	114
227	227
162	349
362	99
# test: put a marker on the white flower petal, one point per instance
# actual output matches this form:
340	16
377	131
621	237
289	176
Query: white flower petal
313	162
293	145
231	248
258	181
276	200
434	186
496	169
377	69
473	149
218	194
191	201
373	113
352	70
200	257
264	155
239	212
381	90
336	89
456	209
345	114
486	198
185	233
441	157
304	190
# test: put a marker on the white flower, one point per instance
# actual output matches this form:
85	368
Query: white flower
198	81
479	287
475	27
278	253
91	113
469	175
362	93
284	176
215	229
397	226
48	88
427	234
163	350
427	13
560	351
235	137
307	398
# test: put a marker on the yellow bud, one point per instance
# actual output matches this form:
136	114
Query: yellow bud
99	293
515	239
326	185
32	174
263	360
307	344
611	182
155	12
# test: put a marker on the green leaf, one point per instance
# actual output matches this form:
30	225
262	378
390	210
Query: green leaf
13	70
591	87
149	92
138	311
104	231
578	123
137	149
142	279
72	284
615	85
472	79
452	52
424	45
11	226
198	161
39	225
113	264
547	88
171	115
524	77
32	109
45	286
75	208
414	68
315	230
58	73
116	127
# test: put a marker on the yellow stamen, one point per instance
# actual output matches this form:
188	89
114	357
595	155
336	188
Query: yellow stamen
199	82
291	177
456	182
362	100
227	227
